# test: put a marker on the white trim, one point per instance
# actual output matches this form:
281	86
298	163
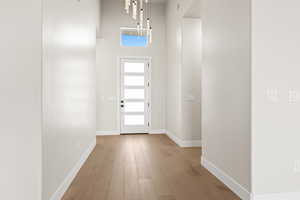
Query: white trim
149	89
102	133
158	131
150	92
279	196
117	132
131	28
183	143
134	132
174	138
226	179
118	93
72	174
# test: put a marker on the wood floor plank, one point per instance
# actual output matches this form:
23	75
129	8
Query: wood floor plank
116	188
132	189
147	189
145	167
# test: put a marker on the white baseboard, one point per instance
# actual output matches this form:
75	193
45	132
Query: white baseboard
72	174
117	132
226	179
158	131
240	190
183	143
102	133
279	196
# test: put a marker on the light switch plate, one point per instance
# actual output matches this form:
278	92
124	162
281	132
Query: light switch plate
273	95
294	96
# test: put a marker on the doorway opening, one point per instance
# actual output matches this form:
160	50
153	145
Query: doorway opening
135	95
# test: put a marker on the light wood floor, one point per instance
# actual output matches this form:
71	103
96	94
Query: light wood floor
145	167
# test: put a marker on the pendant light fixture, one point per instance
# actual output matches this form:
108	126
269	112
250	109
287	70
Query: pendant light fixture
142	17
150	36
127	6
138	28
148	26
134	9
141	13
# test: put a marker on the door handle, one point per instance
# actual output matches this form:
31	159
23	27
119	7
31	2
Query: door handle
122	106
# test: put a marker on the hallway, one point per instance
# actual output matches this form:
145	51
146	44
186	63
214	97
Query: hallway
145	167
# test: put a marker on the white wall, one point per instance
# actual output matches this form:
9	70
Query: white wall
191	78
69	87
109	49
226	87
20	101
178	74
98	18
173	23
275	113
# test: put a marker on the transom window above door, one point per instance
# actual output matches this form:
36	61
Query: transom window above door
131	38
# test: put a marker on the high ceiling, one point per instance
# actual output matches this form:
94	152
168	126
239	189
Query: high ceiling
156	1
194	10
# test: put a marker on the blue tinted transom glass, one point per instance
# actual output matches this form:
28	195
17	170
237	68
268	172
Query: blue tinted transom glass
133	40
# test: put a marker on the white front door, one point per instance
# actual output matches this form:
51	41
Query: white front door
135	95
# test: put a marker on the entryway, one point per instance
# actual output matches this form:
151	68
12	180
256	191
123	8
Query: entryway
135	105
145	167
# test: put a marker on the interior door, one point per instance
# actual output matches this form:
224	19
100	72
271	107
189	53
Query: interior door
135	100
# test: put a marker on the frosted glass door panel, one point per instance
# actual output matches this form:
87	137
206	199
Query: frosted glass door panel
134	107
134	67
134	80
134	93
134	120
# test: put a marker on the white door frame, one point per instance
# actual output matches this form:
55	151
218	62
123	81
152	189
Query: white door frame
119	88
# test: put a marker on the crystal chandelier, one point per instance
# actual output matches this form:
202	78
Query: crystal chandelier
140	11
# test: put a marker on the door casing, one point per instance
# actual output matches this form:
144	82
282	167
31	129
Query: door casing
119	61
